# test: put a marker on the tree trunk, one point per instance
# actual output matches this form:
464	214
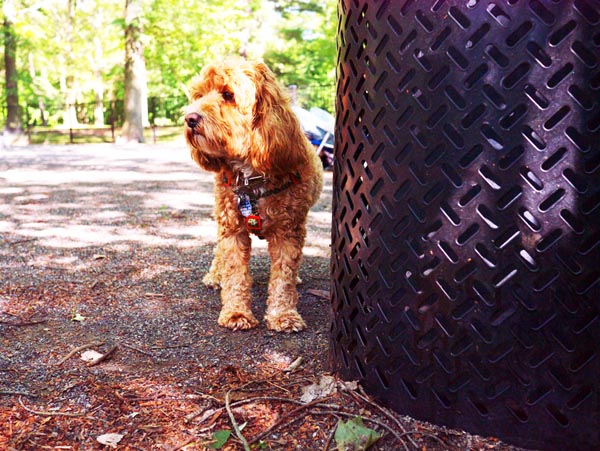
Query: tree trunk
136	91
96	64
68	82
41	106
13	119
70	114
99	109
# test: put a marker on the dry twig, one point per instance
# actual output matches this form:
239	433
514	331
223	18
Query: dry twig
184	444
141	351
78	349
362	396
323	294
17	393
294	365
103	357
284	417
424	434
330	437
24	323
236	428
381	424
24	240
182	345
50	414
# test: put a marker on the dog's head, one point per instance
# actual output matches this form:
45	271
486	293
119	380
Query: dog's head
239	115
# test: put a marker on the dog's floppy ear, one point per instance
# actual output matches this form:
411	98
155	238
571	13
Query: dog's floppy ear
279	145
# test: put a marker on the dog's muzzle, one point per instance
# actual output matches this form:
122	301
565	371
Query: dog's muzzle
192	120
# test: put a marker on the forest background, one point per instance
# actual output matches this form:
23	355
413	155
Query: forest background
72	64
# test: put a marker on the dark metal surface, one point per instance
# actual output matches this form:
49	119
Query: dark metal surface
466	224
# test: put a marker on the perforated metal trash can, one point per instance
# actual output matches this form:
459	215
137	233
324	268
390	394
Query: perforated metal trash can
466	225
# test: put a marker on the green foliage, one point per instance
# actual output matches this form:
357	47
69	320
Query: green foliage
304	51
353	435
219	439
72	51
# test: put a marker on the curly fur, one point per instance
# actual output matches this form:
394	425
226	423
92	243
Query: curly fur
239	122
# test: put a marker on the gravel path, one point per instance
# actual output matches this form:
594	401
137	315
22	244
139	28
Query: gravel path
103	248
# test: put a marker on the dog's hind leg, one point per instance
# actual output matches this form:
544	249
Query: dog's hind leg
285	250
212	279
232	256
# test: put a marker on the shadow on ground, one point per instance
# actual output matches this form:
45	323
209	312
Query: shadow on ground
103	248
106	244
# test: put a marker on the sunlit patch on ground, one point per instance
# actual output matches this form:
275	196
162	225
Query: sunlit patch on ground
103	248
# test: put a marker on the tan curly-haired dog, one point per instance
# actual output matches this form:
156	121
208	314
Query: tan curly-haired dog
239	125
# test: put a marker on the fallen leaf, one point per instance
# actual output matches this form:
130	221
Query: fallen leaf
90	355
111	439
325	387
348	386
219	439
353	435
78	317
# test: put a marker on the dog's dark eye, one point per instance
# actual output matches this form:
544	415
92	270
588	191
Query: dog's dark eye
227	96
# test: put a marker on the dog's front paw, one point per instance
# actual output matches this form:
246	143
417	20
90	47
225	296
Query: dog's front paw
211	280
237	320
289	321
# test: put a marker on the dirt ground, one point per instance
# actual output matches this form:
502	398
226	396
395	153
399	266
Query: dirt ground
103	248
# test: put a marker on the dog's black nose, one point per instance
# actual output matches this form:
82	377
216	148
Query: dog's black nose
192	119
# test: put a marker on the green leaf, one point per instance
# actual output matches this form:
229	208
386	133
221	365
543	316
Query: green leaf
219	439
119	22
353	435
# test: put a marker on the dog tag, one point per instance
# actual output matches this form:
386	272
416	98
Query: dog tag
244	205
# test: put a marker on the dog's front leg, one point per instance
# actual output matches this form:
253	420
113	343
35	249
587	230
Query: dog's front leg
233	255
285	250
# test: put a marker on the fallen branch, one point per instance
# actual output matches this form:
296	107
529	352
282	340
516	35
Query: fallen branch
330	438
182	345
294	365
103	357
17	393
50	414
236	428
284	417
24	323
70	387
424	434
241	402
281	423
133	348
381	424
323	294
78	349
184	444
362	396
24	240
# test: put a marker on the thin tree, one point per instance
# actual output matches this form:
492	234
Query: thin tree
13	119
136	90
68	82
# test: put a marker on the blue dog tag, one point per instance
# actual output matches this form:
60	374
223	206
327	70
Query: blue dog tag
244	205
